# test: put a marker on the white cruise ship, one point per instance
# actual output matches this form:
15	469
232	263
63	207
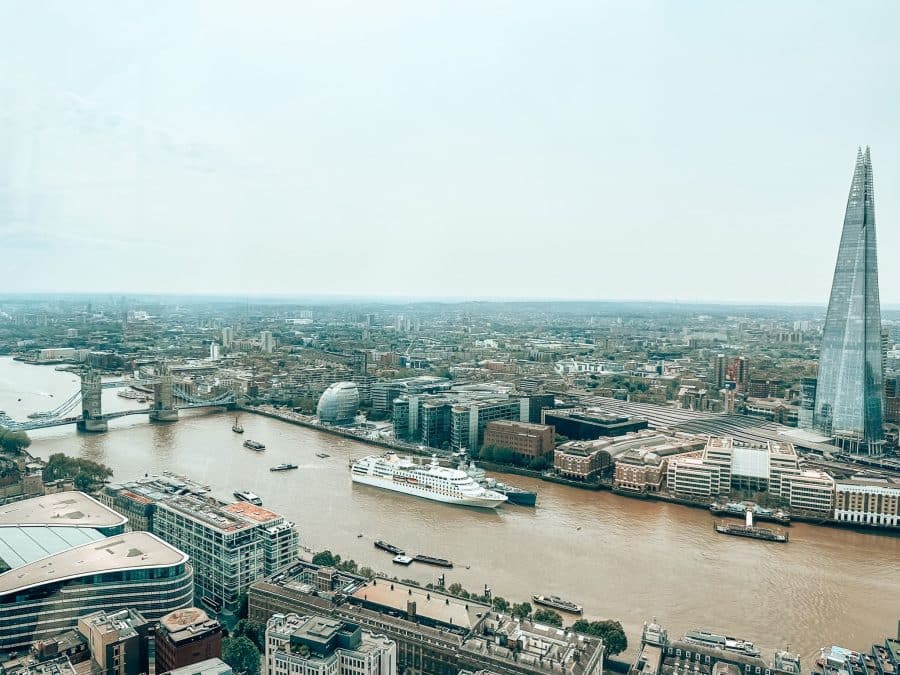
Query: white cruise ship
429	481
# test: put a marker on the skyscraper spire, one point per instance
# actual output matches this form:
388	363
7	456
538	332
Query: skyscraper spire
849	393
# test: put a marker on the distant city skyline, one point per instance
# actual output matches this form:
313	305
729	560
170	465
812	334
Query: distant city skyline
643	152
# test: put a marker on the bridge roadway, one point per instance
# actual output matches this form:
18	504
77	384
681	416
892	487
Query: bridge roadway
58	421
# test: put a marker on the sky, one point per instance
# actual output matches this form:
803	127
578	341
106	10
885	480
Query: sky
678	151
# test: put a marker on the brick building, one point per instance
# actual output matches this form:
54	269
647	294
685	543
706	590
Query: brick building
185	637
523	438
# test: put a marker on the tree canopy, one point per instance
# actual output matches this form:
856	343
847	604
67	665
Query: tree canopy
253	631
85	472
241	654
521	610
611	632
548	616
13	441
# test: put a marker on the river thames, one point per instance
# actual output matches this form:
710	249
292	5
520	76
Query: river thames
621	558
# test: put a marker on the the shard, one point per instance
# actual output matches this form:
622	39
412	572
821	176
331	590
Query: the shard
849	392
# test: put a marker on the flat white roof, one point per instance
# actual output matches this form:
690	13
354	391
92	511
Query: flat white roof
129	551
69	509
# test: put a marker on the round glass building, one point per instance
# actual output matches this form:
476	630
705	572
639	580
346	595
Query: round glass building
339	403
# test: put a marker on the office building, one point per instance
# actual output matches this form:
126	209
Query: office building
806	413
186	637
868	502
585	426
227	336
384	393
849	393
719	370
738	466
689	476
434	632
64	556
809	491
267	341
339	404
213	351
230	546
739	373
527	440
468	420
428	626
581	460
118	641
318	645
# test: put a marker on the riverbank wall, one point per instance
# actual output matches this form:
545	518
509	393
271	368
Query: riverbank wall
581	485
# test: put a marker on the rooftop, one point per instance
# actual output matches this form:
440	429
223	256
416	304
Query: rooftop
22	545
215	666
69	509
132	550
252	512
207	511
430	604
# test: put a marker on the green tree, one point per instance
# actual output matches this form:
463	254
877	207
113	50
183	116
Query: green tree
611	632
346	565
501	604
85	472
549	616
241	654
253	631
13	441
538	464
521	610
325	558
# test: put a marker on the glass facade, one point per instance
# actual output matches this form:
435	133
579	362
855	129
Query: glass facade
45	610
849	391
339	404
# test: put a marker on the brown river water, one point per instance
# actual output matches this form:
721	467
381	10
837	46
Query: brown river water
621	558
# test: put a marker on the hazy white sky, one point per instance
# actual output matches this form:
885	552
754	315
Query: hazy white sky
642	150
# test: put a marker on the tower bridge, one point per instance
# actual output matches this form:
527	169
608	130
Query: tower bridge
168	399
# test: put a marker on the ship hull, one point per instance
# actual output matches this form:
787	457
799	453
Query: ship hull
414	491
521	498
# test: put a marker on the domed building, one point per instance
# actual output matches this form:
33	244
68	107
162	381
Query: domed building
339	403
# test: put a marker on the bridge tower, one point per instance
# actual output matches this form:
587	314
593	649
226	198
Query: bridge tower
163	409
91	407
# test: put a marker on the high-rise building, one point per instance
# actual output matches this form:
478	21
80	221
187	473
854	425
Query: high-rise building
718	378
227	336
267	341
849	393
230	546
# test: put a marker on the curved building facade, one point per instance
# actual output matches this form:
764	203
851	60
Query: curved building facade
339	403
62	557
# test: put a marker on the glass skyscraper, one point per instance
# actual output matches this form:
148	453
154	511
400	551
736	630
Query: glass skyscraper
849	392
